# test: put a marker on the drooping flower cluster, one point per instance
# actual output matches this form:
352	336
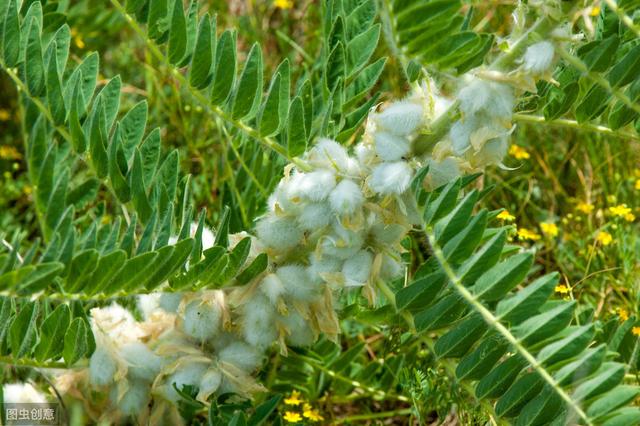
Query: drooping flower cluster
334	224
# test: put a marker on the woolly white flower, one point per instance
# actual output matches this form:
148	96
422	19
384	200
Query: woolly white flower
365	153
342	242
187	374
143	364
241	355
170	301
148	304
346	198
272	287
209	384
134	400
257	321
117	323
491	153
22	393
493	99
322	264
298	282
328	154
298	331
314	186
400	118
279	233
391	147
442	172
314	216
357	269
280	201
460	134
391	178
387	234
102	366
539	57
201	319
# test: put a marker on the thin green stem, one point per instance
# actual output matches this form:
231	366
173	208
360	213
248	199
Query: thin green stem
214	110
372	416
494	322
563	122
22	362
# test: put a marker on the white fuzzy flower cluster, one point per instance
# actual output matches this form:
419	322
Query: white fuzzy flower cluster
335	224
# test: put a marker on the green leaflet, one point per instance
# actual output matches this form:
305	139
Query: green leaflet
202	60
77	341
34	64
225	67
11	39
248	92
177	33
23	332
52	334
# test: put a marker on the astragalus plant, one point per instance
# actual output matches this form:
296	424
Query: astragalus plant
132	305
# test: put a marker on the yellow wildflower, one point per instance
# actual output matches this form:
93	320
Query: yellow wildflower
283	4
77	39
562	289
629	217
9	153
623	314
638	184
621	210
5	115
604	238
294	399
311	414
585	208
527	234
635	331
518	152
595	11
504	215
292	417
549	229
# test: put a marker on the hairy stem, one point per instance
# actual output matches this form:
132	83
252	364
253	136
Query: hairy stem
563	122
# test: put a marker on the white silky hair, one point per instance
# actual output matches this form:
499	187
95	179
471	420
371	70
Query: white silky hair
143	364
314	216
280	233
491	98
328	154
241	355
298	282
538	57
299	332
346	197
357	269
170	302
257	322
390	147
400	118
134	400
201	320
272	287
189	374
391	178
102	366
314	186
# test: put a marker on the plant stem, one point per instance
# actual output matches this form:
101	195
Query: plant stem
381	415
492	321
563	122
22	362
